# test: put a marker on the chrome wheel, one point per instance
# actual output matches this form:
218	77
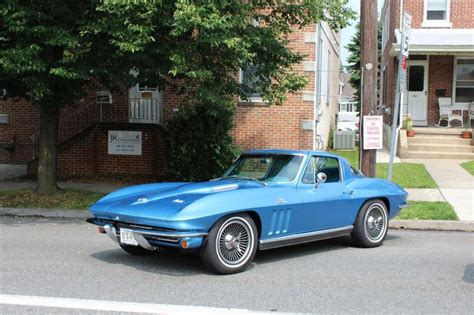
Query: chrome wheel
375	222
235	241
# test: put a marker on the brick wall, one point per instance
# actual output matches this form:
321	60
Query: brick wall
461	13
23	124
87	154
258	125
440	76
24	116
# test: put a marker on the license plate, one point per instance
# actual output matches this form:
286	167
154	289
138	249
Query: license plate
126	237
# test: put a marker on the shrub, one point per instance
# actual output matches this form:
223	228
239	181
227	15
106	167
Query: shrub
200	146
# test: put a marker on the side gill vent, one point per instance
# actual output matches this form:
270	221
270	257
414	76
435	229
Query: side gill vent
280	221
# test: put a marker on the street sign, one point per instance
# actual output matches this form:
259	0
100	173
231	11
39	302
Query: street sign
373	132
402	69
404	46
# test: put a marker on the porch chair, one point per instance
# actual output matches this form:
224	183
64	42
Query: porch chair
470	114
446	112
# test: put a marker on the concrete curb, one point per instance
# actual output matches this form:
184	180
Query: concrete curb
425	225
433	225
45	213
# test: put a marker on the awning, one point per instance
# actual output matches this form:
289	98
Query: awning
438	42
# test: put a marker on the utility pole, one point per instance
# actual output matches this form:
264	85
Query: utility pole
368	72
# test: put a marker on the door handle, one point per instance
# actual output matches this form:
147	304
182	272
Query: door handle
348	192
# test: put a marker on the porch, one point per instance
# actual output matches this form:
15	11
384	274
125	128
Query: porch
440	65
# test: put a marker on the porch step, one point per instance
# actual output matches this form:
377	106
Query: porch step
438	139
440	155
443	131
440	147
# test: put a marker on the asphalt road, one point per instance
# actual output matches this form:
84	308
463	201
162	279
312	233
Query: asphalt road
413	272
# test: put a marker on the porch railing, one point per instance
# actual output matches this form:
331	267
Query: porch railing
146	110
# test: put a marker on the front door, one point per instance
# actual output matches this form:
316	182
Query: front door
417	92
329	204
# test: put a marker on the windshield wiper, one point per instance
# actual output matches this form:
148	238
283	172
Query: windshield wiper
240	177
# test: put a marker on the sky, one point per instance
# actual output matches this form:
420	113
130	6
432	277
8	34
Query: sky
347	32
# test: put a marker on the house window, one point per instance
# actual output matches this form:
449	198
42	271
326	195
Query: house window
251	83
436	9
436	13
464	80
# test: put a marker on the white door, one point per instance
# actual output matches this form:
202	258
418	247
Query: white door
417	92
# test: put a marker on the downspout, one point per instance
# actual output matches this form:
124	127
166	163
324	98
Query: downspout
317	86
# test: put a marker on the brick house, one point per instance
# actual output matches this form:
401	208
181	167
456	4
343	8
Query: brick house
440	64
86	129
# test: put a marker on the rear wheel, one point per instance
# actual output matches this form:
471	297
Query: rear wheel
371	224
136	250
231	244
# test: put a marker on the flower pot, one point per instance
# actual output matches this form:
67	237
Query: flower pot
466	134
410	133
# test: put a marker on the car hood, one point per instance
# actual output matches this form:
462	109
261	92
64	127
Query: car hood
162	200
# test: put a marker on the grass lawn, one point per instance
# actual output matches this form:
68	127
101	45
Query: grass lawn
426	210
469	166
407	175
67	199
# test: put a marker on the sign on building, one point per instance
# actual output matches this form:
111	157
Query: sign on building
404	47
124	142
373	132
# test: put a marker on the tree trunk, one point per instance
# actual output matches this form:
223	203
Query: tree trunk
48	139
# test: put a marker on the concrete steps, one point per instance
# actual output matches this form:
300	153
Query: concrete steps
440	155
437	139
440	147
439	143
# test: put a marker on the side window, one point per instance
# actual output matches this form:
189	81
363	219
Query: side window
318	164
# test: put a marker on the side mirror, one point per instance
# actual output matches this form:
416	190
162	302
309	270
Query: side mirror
321	177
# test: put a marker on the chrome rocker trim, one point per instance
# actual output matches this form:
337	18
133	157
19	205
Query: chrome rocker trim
304	237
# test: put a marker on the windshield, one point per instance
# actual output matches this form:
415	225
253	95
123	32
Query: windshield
266	168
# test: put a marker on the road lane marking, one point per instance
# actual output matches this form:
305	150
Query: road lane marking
115	306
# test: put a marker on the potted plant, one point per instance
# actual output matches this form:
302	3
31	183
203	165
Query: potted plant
408	126
467	134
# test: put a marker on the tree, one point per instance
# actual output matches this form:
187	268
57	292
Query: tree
50	49
354	61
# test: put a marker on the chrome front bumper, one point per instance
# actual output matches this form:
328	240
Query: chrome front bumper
140	234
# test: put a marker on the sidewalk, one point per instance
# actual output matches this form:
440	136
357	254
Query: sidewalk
456	185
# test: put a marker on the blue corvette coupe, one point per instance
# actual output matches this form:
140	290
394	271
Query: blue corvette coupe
266	199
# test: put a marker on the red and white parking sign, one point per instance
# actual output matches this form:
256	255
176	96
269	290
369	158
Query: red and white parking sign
373	132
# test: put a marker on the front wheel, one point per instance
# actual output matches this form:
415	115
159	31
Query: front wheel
371	224
231	244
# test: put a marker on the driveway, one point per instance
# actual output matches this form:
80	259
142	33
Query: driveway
413	272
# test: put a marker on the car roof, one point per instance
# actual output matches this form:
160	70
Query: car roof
292	152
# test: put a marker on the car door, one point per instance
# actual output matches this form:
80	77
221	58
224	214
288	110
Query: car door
327	204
